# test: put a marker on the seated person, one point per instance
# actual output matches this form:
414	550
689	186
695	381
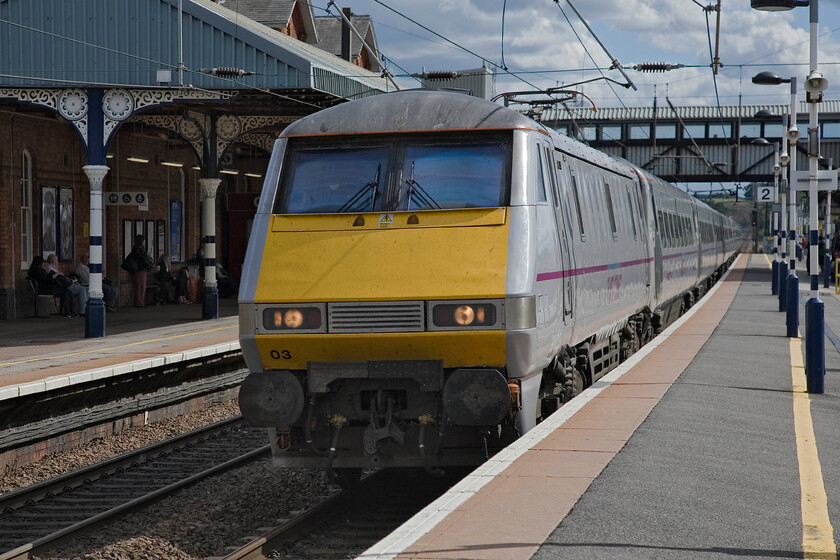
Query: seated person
82	271
225	283
165	281
182	285
75	288
46	284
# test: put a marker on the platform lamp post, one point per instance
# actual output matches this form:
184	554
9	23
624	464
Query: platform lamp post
761	141
815	84
777	171
784	161
774	228
827	235
788	280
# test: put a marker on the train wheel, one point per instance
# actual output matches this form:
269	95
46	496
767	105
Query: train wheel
577	385
629	347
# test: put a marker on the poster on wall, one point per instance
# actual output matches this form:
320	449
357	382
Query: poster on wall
151	239
175	221
139	229
67	230
49	213
161	239
128	237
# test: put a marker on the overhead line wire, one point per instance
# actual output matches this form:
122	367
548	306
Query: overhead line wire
593	62
463	48
714	76
504	9
379	53
588	54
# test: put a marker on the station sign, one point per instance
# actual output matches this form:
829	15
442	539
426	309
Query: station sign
826	180
766	194
139	199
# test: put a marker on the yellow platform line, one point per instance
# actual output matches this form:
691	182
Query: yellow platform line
97	350
817	531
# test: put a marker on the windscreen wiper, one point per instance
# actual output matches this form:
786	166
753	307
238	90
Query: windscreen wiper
369	186
423	196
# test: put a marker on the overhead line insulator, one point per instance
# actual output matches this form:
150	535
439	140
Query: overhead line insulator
441	75
656	67
229	72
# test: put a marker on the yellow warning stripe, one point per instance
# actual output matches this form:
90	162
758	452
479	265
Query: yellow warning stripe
817	531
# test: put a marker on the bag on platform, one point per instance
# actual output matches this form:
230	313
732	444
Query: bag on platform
63	281
193	288
130	264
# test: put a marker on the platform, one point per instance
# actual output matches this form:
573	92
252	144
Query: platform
37	354
702	445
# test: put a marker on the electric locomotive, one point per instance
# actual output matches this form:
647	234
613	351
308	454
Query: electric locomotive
429	274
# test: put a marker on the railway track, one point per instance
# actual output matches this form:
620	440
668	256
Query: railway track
346	524
42	515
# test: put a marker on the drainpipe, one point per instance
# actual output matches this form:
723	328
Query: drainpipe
346	53
12	304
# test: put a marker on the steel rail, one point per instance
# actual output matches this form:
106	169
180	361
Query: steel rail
47	488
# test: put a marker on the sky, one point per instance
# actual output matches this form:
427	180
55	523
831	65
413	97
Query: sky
539	47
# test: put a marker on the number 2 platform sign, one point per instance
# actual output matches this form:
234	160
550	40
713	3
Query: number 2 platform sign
767	194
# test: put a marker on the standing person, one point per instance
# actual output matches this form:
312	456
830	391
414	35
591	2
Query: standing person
834	250
835	244
82	271
64	281
144	264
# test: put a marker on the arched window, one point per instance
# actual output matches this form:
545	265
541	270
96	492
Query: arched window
26	240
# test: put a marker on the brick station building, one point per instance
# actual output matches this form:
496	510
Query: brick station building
120	117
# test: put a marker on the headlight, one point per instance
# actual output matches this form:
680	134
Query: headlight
468	314
302	318
464	315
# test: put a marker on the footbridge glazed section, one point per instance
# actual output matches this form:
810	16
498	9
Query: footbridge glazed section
699	143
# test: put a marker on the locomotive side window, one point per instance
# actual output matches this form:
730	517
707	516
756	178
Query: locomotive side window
632	211
335	180
540	177
662	228
552	176
576	196
456	176
611	211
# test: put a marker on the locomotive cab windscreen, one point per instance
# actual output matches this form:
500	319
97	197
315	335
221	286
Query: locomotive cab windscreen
384	175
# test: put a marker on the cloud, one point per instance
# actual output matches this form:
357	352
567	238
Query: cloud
540	45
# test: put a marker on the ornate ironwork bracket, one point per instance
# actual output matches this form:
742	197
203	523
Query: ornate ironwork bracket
118	104
198	128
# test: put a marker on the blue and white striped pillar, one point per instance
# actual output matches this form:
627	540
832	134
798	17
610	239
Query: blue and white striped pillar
814	308
792	283
95	314
209	186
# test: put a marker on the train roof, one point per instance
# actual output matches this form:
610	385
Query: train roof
592	155
412	110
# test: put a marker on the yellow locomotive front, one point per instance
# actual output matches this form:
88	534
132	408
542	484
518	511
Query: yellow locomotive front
373	312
